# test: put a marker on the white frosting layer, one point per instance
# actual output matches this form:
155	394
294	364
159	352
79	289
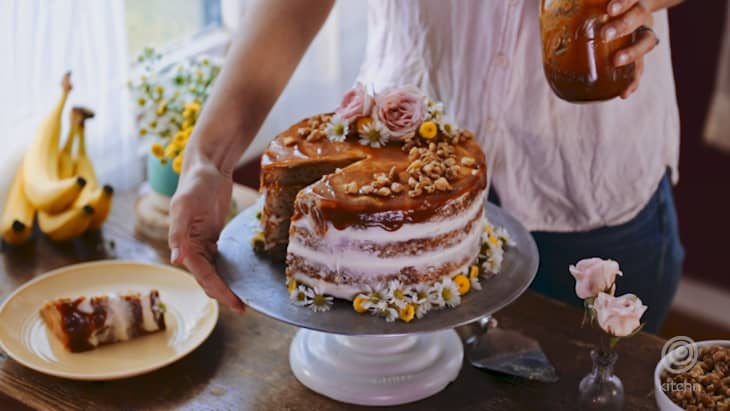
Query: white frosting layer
148	318
336	255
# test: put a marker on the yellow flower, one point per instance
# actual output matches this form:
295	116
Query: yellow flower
152	124
142	132
463	283
428	130
158	150
177	164
407	312
292	285
357	303
172	151
141	101
191	109
493	240
162	108
181	138
474	271
361	123
488	229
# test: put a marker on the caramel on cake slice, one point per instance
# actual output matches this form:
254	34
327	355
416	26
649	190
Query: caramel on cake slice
84	323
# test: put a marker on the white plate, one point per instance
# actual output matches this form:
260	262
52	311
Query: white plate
190	318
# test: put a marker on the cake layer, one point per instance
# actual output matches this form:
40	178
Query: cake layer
344	262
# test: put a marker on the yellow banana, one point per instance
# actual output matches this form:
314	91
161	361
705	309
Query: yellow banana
16	224
102	206
100	198
66	162
67	224
41	183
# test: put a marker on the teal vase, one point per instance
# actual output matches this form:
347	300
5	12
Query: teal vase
161	177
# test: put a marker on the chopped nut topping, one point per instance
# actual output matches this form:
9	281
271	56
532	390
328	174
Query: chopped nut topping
289	141
468	161
397	188
391	173
414	193
383	191
351	188
412	182
302	131
315	135
441	184
366	189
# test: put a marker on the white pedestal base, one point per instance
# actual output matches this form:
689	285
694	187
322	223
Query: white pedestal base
376	370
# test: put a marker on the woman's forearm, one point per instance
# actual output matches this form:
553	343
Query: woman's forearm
265	52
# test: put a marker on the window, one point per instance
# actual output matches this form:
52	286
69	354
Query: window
165	24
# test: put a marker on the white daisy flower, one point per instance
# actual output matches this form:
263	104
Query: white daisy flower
337	128
435	109
475	284
301	296
448	292
396	294
419	297
376	293
374	135
375	307
503	235
320	302
446	125
389	313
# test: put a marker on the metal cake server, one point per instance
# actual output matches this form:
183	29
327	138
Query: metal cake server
509	352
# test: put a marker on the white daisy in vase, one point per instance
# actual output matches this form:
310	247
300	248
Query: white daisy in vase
435	109
320	302
337	129
301	296
374	134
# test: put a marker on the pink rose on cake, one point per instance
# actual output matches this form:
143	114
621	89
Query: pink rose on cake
400	110
594	275
355	103
619	316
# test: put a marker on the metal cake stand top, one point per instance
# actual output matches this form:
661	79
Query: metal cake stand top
260	283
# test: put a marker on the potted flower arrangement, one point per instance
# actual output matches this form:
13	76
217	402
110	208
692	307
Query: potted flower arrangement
167	100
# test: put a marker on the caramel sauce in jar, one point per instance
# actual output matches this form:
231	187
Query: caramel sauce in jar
578	62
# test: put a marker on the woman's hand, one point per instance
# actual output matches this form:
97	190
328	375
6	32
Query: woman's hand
628	16
197	215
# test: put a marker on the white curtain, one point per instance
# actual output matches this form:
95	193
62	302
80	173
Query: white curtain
39	41
327	70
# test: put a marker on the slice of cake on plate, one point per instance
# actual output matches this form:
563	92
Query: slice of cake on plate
84	323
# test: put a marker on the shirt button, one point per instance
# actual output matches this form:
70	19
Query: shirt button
491	125
501	59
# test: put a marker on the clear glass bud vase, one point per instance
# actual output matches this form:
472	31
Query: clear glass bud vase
601	389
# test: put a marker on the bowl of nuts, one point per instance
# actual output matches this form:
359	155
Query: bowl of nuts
693	376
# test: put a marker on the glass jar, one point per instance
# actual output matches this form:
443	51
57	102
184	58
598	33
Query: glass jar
578	62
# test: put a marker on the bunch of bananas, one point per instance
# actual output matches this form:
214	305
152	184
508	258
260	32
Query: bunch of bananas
56	184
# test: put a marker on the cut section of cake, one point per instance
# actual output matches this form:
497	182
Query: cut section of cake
84	323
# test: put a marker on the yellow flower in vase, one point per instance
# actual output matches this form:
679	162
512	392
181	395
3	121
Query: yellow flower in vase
157	150
177	163
172	150
428	130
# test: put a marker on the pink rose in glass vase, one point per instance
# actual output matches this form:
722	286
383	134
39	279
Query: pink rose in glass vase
594	275
400	110
619	316
355	103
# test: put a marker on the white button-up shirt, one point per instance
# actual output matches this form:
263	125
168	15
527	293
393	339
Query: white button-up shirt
557	166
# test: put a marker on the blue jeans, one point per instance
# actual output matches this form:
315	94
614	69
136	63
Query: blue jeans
647	248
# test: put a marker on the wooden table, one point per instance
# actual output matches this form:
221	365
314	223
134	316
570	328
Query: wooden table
244	364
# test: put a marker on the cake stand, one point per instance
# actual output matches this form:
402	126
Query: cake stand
362	359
